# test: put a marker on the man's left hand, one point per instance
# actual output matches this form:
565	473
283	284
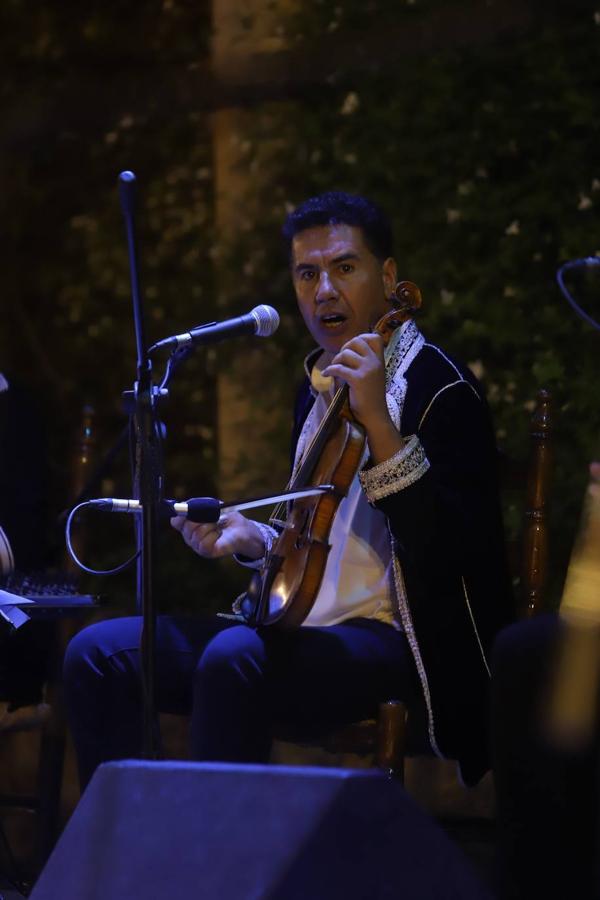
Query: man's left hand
360	364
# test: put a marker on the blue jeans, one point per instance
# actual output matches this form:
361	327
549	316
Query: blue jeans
238	684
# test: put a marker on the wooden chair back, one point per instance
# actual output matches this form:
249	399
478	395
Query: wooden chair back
534	558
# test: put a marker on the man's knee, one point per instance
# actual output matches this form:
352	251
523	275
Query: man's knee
88	650
237	652
78	654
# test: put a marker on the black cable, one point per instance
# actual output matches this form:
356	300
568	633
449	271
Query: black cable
76	559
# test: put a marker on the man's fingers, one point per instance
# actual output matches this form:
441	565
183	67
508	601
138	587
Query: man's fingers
231	534
358	349
346	357
201	538
363	342
375	342
204	545
187	528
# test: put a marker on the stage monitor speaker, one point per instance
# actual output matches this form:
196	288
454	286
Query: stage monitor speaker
220	831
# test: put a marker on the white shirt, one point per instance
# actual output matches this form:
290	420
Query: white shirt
358	574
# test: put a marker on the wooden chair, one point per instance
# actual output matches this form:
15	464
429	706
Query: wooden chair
385	738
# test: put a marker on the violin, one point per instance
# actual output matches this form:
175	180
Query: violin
284	590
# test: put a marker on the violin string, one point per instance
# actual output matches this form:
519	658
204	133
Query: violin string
296	479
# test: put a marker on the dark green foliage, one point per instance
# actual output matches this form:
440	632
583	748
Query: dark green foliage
484	151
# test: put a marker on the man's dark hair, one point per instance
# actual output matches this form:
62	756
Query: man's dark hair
339	208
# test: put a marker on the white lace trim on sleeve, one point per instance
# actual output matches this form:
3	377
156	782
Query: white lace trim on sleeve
396	473
268	534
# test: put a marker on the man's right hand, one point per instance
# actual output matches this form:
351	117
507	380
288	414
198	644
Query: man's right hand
233	533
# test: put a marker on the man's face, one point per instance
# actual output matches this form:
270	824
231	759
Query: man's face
341	287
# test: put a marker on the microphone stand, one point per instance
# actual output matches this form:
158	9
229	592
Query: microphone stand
147	479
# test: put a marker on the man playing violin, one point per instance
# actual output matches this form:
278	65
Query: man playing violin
415	584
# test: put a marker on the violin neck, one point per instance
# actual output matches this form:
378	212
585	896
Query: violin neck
315	448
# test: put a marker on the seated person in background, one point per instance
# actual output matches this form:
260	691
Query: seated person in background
23	545
23	479
415	585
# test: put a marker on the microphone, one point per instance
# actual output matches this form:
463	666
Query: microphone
198	509
263	321
207	509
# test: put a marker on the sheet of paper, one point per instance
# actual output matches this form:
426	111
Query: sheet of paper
8	599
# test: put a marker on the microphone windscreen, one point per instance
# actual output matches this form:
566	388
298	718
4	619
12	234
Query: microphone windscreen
267	320
203	509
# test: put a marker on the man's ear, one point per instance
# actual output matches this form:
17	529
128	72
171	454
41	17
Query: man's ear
389	273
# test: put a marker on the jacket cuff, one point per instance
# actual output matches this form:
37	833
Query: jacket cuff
268	535
396	473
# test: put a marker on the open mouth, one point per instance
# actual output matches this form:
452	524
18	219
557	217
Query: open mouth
332	320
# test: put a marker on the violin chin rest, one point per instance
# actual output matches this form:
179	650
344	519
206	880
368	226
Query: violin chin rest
321	383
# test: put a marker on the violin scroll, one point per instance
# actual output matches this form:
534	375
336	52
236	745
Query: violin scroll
406	296
406	300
